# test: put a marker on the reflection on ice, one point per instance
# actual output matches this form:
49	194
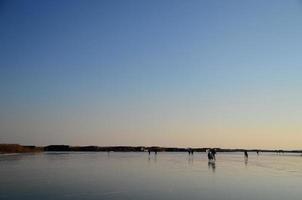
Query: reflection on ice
142	176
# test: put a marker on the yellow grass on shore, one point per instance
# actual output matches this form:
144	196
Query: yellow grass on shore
16	148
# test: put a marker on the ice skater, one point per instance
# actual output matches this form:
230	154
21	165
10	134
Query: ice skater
211	157
246	155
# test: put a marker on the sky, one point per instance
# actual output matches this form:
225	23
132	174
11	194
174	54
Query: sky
169	73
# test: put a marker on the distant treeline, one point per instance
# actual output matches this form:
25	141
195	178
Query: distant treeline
117	148
152	149
16	148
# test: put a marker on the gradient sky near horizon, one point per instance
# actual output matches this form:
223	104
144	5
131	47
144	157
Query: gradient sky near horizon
169	73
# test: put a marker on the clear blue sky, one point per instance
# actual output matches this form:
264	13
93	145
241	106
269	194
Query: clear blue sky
171	73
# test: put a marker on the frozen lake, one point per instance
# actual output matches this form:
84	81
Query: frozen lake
99	175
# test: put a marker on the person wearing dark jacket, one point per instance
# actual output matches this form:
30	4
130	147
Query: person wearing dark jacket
246	155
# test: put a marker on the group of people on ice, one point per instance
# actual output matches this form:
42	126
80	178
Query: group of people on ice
212	154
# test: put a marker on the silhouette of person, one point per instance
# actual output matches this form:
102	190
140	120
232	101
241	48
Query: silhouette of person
246	155
213	151
210	155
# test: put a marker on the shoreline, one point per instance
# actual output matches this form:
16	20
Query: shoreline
17	148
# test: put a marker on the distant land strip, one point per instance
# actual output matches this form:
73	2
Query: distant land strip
17	148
